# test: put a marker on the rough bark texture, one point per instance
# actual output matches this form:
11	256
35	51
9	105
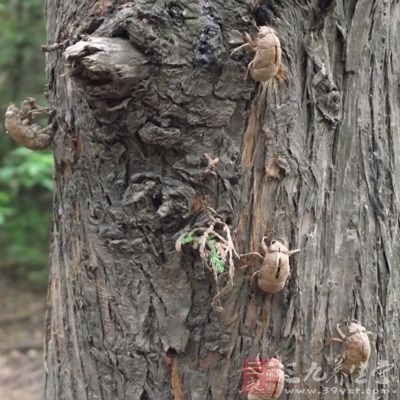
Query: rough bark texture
139	102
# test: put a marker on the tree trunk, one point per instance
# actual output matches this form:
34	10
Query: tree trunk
139	102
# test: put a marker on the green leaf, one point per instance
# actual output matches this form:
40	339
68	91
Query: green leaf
47	184
23	168
6	173
187	238
215	258
5	197
4	213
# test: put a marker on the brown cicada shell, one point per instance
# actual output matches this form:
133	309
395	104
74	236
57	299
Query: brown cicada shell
20	125
356	348
273	265
267	62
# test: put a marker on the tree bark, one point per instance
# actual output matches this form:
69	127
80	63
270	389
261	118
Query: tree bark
140	98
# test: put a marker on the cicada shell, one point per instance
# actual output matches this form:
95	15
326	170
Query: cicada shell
267	62
274	268
268	55
356	348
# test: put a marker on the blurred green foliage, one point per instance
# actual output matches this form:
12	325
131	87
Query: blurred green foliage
21	60
25	176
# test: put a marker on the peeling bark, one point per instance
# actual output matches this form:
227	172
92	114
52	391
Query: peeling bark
144	90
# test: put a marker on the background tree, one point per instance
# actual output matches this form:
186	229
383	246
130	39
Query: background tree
138	104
